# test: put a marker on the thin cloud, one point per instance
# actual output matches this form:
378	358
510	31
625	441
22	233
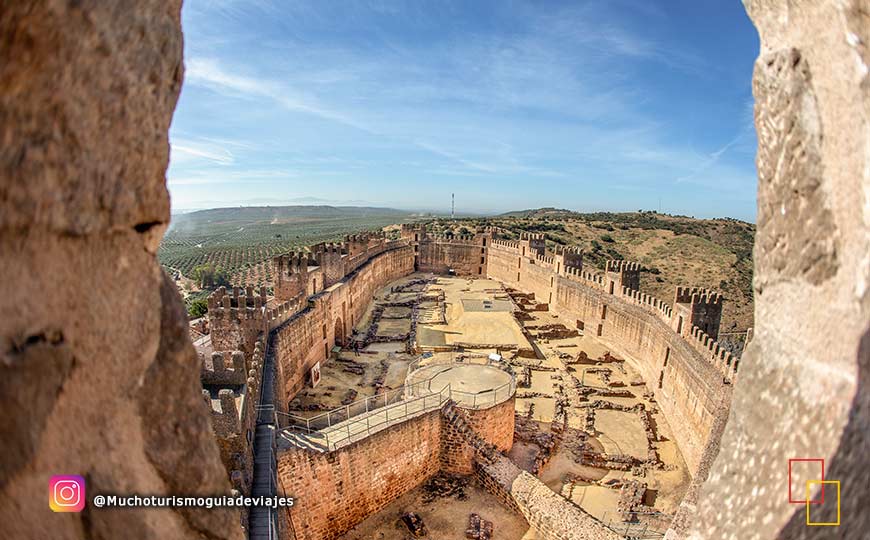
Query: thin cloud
183	150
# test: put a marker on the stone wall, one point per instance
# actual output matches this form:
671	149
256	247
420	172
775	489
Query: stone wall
465	255
307	336
550	515
804	377
494	425
688	388
687	373
236	318
336	490
98	377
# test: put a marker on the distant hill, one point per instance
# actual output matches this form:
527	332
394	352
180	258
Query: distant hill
242	240
537	213
278	214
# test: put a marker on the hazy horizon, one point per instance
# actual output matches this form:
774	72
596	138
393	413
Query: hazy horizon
583	106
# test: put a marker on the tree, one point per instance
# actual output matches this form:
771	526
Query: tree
209	276
197	308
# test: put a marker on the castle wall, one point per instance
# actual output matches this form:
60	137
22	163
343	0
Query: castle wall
339	489
688	388
465	255
529	272
539	278
494	425
550	515
236	318
307	336
504	262
688	385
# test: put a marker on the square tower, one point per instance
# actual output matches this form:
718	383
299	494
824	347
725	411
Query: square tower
695	306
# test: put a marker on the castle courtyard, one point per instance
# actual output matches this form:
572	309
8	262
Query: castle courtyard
587	424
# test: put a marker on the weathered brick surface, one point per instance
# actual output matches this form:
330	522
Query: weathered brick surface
551	516
339	489
465	255
307	336
692	393
494	425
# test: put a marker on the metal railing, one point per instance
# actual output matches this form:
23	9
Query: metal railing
484	398
468	400
330	429
362	406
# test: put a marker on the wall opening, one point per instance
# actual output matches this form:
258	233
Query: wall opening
339	333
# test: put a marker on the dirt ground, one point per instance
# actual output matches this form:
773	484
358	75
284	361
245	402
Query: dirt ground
445	517
476	324
615	431
479	311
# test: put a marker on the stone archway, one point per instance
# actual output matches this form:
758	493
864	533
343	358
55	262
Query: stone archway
340	336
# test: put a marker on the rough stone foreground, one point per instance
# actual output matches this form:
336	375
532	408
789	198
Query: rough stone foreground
804	382
97	373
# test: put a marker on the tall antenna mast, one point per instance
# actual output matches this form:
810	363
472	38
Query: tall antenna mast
452	206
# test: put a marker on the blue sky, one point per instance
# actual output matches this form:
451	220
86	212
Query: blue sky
605	105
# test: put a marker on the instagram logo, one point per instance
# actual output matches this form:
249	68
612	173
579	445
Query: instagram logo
66	493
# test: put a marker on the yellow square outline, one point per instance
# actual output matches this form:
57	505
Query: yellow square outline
828	523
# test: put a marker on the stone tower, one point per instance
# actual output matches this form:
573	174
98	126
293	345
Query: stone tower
291	275
622	274
699	307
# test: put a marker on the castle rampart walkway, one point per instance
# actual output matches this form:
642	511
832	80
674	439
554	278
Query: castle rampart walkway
344	428
263	521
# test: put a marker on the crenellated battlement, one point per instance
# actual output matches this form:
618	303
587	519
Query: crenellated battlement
710	349
356	244
454	238
224	412
622	274
294	262
240	299
231	391
323	249
588	278
621	266
697	295
236	320
568	256
510	244
225	368
695	306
